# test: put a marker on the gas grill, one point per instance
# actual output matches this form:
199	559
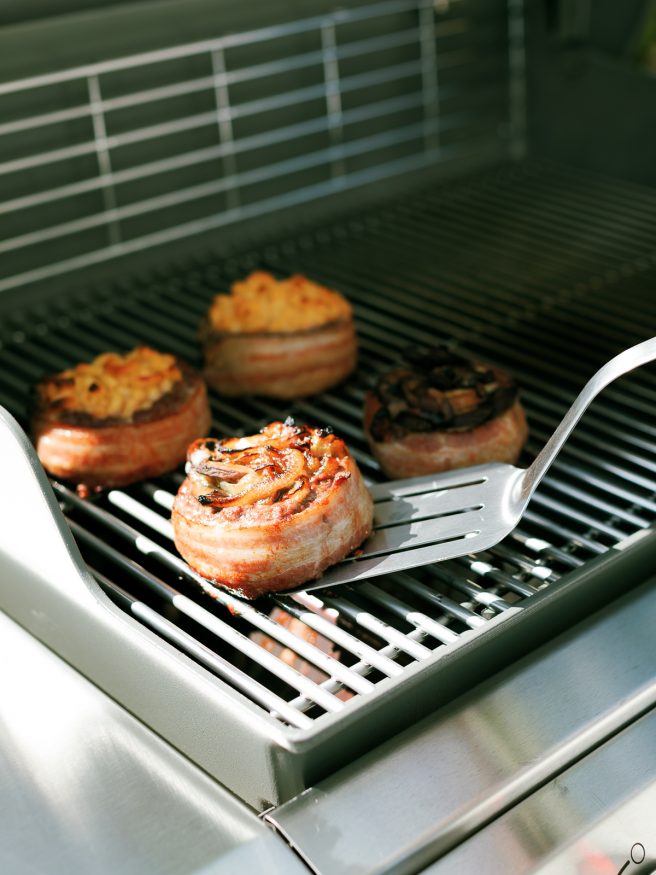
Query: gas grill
382	149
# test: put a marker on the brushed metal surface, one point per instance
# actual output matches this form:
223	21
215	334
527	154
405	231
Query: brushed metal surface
417	797
597	818
86	788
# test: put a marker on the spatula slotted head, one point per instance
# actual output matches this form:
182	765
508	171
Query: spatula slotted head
429	519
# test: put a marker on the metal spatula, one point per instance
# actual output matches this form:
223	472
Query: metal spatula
428	519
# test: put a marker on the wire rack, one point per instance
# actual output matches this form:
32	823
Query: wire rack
535	268
127	153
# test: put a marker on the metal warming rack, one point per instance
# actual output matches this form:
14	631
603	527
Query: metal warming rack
409	284
118	156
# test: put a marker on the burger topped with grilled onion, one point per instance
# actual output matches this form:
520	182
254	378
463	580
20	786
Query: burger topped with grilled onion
271	510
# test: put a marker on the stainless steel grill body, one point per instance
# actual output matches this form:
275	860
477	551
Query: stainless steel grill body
399	180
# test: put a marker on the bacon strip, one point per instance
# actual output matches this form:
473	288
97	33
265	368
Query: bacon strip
280	365
499	440
303	508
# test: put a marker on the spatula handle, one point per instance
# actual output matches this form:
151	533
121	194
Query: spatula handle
626	361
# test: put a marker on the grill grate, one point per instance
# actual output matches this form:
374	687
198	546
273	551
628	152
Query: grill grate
521	265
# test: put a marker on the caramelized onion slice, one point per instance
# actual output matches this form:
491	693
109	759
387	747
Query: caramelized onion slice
328	468
297	493
270	472
225	471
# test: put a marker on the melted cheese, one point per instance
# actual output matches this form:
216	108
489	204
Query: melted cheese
261	303
112	385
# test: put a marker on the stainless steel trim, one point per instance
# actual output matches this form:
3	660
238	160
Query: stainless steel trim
442	781
596	816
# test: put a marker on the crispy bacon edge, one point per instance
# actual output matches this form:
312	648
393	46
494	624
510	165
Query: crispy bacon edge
278	543
499	440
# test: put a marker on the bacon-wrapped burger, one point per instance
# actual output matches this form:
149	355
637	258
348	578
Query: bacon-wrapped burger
441	411
119	418
282	338
272	510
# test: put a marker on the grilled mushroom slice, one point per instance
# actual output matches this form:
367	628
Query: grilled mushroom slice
440	411
282	338
119	418
272	510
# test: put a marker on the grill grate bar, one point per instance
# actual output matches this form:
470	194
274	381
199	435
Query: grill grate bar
441	602
557	492
363	668
563	532
567	489
332	667
569	186
611	447
542	547
211	622
552	209
238	607
613	319
219	666
525	564
472	590
486	570
541	391
502	278
368	621
335	633
408	241
405	612
150	518
567	206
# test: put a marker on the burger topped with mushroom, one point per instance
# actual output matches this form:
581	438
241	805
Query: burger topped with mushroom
439	410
